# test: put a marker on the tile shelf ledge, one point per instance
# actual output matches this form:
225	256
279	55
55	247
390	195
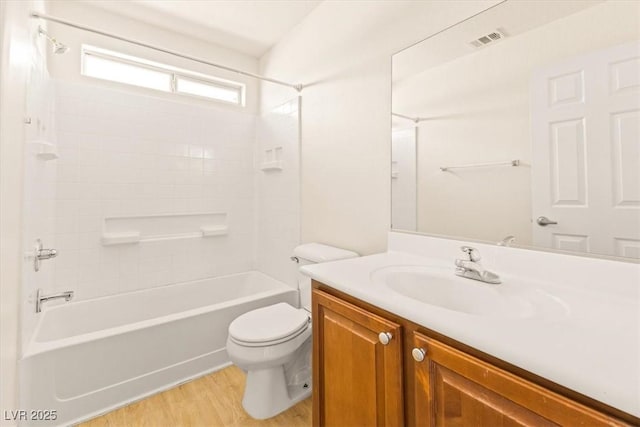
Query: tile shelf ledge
110	239
153	228
44	150
271	166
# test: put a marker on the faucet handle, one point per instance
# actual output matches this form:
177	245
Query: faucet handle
507	241
472	253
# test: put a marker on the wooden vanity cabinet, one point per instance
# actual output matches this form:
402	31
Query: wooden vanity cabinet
419	380
357	380
453	388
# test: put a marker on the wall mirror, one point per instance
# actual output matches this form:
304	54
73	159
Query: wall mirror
522	125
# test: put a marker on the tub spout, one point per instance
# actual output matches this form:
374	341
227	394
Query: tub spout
40	298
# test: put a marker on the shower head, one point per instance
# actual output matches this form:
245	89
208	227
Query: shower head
57	47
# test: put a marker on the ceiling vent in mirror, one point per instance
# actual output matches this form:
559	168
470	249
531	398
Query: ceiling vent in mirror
493	36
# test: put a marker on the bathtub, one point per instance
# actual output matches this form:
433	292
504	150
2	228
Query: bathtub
89	357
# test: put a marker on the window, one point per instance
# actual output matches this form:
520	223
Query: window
108	69
205	88
116	67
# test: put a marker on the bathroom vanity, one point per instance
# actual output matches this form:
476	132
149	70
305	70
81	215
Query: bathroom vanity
508	128
420	377
386	356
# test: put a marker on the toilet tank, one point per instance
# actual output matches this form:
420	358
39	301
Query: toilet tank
313	253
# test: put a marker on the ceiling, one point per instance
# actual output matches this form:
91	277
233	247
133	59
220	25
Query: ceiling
511	18
248	26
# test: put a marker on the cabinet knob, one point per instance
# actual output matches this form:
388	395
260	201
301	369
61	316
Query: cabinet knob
418	354
385	337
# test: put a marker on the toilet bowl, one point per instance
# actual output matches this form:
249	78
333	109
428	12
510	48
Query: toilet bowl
273	344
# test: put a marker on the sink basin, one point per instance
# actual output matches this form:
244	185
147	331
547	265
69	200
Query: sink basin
439	286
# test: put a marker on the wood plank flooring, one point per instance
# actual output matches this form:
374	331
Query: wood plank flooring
213	400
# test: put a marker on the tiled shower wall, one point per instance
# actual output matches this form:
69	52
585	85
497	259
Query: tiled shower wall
39	182
278	192
124	154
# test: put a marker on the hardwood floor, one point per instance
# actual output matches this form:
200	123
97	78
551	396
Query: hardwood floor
213	400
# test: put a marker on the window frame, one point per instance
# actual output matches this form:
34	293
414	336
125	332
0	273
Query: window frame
174	74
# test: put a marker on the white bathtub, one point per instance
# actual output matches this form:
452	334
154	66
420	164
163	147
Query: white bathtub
89	357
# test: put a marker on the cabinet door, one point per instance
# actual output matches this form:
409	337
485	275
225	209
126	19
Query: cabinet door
456	389
357	380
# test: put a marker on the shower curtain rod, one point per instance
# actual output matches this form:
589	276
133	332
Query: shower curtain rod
297	87
413	119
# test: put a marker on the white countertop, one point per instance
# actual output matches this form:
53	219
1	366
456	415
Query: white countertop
593	348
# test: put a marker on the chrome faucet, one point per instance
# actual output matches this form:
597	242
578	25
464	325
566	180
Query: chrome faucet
40	254
472	269
68	295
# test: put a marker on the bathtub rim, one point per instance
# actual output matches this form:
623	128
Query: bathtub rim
35	347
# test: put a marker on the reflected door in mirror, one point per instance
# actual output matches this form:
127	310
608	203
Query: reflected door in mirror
586	152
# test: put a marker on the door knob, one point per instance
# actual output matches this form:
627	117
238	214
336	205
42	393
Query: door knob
543	221
385	337
418	354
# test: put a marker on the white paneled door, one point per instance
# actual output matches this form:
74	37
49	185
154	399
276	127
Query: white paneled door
585	121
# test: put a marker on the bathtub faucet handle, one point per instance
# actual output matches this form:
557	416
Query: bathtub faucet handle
41	254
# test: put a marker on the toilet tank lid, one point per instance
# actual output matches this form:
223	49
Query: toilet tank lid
317	252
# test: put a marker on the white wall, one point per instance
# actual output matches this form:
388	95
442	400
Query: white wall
483	116
67	66
17	57
342	51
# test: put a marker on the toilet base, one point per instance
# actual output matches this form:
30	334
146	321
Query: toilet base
266	393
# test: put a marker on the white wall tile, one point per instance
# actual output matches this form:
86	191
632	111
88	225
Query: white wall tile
277	202
125	154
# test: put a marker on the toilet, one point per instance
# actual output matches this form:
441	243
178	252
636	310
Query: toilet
273	344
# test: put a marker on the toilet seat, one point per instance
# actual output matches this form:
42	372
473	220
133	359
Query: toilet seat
269	325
